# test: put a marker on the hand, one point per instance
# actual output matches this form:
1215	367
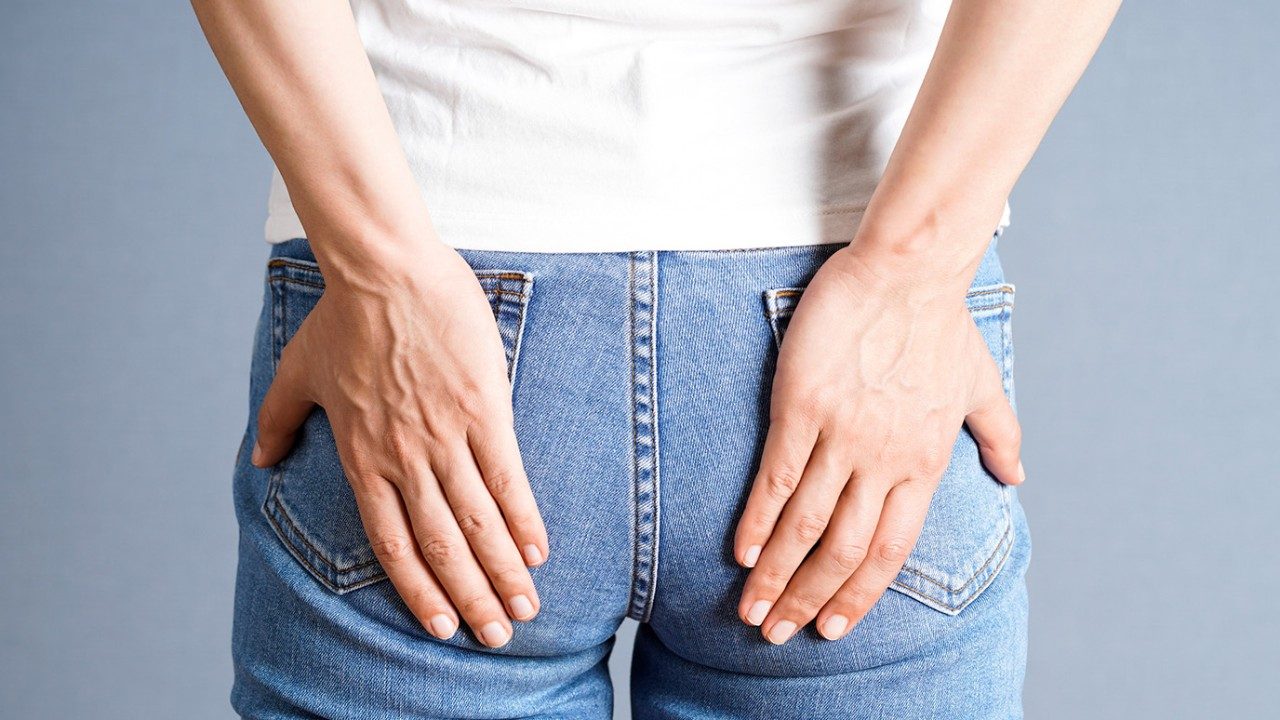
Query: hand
406	361
880	367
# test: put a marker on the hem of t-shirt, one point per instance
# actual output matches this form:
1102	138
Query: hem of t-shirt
632	230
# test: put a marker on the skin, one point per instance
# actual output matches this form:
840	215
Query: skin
402	350
881	366
882	363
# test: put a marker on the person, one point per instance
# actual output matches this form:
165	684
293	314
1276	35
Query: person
684	312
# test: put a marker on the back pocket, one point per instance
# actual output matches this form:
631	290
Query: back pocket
309	502
968	533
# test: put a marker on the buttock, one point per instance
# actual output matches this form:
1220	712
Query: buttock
640	388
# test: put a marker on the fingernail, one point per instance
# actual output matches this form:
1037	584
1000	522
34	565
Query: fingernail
442	626
521	606
758	611
750	557
1022	474
494	634
532	555
256	458
781	632
834	627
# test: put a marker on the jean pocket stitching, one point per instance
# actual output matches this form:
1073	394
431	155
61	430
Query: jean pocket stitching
310	554
509	292
930	586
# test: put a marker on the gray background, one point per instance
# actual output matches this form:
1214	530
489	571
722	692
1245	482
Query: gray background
1144	248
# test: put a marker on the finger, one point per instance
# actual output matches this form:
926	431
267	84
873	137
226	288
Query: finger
497	455
447	553
802	524
283	410
842	551
996	429
900	522
787	446
481	523
387	525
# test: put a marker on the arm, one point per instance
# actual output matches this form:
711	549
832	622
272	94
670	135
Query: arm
400	339
864	413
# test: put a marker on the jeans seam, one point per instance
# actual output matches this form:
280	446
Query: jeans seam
642	339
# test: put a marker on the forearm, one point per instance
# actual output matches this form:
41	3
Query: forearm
302	75
1001	71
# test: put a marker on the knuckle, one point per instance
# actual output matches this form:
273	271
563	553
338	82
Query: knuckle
474	605
398	446
811	407
932	461
423	600
364	480
497	409
858	599
806	600
894	551
773	577
475	400
508	576
500	482
474	525
438	551
808	527
414	490
391	548
847	556
781	484
755	525
523	522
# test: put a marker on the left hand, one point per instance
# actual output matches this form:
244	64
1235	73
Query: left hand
881	365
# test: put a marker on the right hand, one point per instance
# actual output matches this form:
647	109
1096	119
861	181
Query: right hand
406	360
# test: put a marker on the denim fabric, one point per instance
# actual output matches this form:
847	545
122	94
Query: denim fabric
641	384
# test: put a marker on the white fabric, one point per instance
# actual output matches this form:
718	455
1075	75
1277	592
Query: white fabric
598	125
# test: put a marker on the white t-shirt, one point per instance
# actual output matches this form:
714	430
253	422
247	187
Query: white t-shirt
598	125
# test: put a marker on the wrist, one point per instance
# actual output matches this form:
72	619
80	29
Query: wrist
359	233
928	251
376	254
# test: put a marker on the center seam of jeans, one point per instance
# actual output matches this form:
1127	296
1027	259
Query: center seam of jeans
642	326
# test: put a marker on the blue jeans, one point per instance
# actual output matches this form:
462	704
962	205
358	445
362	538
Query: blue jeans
641	385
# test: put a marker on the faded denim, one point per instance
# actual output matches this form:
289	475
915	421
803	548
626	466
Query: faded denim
641	384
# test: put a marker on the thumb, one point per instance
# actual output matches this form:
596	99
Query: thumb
283	410
997	431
